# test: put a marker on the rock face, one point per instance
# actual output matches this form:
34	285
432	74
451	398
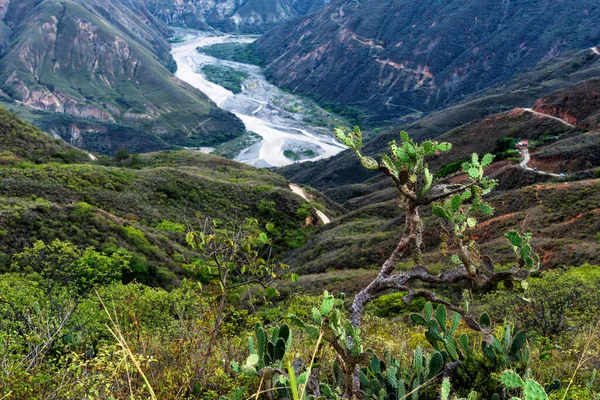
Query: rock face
107	61
579	104
400	57
246	16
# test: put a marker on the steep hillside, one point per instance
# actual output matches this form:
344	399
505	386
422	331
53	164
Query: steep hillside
400	57
141	205
22	142
562	211
106	61
245	16
524	90
578	153
578	104
564	219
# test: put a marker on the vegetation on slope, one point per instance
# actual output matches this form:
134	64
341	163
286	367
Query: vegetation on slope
524	199
111	340
138	205
117	76
229	78
22	142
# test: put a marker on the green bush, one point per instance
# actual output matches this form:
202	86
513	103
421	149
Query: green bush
169	226
81	209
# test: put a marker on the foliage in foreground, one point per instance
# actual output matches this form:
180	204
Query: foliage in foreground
74	331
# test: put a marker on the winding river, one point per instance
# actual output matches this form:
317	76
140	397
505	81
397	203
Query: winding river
257	106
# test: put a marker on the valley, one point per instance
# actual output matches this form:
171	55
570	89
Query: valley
258	106
186	214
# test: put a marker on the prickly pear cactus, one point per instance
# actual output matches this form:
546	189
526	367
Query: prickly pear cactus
392	378
266	353
440	332
532	390
445	392
511	380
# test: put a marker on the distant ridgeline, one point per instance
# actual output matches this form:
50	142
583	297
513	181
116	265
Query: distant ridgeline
99	75
401	58
243	16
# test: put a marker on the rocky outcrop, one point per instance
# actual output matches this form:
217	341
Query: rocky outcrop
247	16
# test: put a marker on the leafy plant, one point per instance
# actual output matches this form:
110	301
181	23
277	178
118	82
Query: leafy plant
530	389
457	207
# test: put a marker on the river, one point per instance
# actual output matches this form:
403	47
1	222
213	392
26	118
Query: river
258	106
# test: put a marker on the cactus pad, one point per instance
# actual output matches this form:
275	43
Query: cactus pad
511	380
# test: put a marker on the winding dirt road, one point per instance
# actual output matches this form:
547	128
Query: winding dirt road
530	110
525	157
302	193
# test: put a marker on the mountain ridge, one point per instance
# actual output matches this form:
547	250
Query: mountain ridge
415	57
249	16
108	62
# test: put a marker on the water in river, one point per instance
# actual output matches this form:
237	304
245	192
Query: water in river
259	106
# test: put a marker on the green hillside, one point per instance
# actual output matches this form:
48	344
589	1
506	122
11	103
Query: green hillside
141	205
114	284
109	65
22	142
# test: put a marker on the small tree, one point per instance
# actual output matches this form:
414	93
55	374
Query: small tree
457	207
122	154
235	257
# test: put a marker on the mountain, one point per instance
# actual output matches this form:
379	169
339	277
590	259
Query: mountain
578	104
528	89
398	58
245	16
554	197
105	67
140	206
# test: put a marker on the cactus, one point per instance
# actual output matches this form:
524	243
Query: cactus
441	334
526	258
393	379
511	380
531	389
507	349
445	392
267	353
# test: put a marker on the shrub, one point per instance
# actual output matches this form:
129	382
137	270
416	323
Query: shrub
81	209
169	226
